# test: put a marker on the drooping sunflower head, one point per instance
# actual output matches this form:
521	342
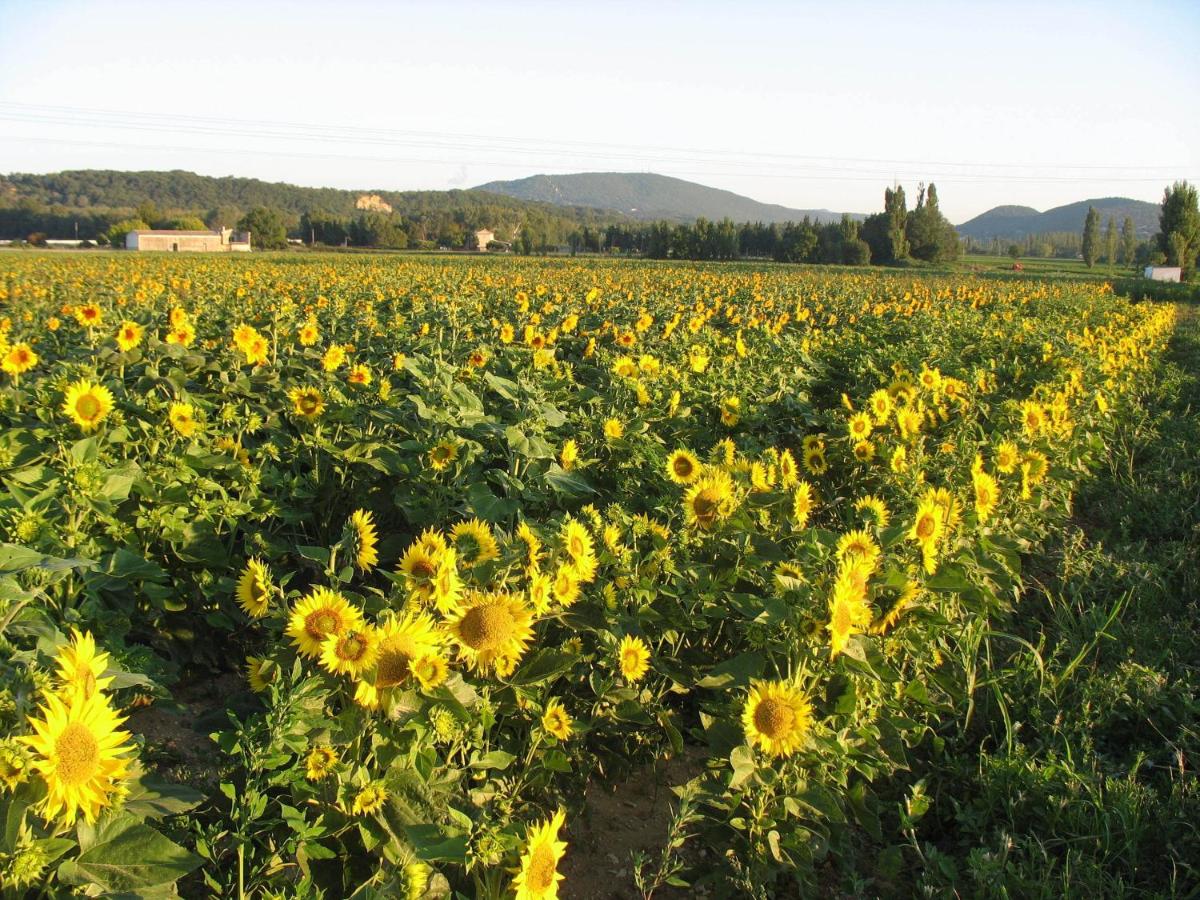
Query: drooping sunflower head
491	629
81	667
82	756
538	877
370	799
777	717
474	543
849	612
254	589
365	539
87	404
683	467
322	613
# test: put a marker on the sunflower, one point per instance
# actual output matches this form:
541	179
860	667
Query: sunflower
183	334
928	524
370	799
777	717
307	402
1008	457
633	658
849	612
308	334
814	460
430	670
350	652
731	411
859	426
333	358
319	763
987	494
258	351
876	510
881	406
613	429
566	585
129	335
1033	417
491	629
858	545
533	543
19	359
447	586
709	501
419	565
569	454
260	672
81	755
556	720
899	460
254	589
538	877
474	542
89	315
400	644
359	374
683	467
361	529
442	454
87	404
182	417
317	616
802	504
907	597
243	336
81	668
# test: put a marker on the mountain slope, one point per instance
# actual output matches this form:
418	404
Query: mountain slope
649	197
1013	222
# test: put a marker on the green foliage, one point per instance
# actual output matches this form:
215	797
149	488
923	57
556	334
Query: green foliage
1179	226
267	230
1091	237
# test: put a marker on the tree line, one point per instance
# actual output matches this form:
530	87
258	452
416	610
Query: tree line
1177	242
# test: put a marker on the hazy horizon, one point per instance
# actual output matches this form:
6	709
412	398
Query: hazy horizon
788	104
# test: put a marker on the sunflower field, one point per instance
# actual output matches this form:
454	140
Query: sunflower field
474	534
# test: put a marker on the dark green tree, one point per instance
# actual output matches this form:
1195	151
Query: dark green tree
1091	236
1110	241
1179	226
929	234
1128	242
267	231
896	209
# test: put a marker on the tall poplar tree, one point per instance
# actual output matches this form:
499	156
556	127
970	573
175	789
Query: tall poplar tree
1091	236
1110	241
1128	242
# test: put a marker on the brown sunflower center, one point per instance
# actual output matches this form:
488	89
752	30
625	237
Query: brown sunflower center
392	669
705	507
773	717
78	754
351	648
321	623
683	467
925	527
486	627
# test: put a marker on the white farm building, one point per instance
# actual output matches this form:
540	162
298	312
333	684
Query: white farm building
223	240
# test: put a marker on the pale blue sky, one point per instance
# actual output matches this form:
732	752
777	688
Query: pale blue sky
808	105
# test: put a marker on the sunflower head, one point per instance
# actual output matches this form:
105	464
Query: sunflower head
492	629
87	404
254	589
322	613
633	658
538	876
683	467
364	537
777	717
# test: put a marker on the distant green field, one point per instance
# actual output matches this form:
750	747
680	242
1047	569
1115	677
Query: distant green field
973	263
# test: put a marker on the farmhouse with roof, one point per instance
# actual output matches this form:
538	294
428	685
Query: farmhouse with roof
222	240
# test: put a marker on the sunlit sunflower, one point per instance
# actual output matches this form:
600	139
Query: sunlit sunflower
777	717
307	402
308	334
350	652
317	616
319	763
254	589
859	426
81	667
129	335
875	509
442	454
365	537
683	467
881	406
566	585
788	472
19	359
1033	417
633	658
370	799
474	542
400	643
359	374
849	613
430	670
491	628
815	462
556	720
419	565
1008	457
260	672
569	454
182	417
87	404
81	754
447	586
89	315
858	545
613	429
538	876
333	358
802	504
987	494
709	500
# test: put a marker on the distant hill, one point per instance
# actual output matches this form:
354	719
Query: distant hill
1014	222
649	197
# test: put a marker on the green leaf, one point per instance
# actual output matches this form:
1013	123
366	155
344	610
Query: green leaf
434	845
542	665
496	759
123	854
949	579
487	505
735	672
742	760
569	483
151	799
14	558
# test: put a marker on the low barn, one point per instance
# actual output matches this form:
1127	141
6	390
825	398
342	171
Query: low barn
223	240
